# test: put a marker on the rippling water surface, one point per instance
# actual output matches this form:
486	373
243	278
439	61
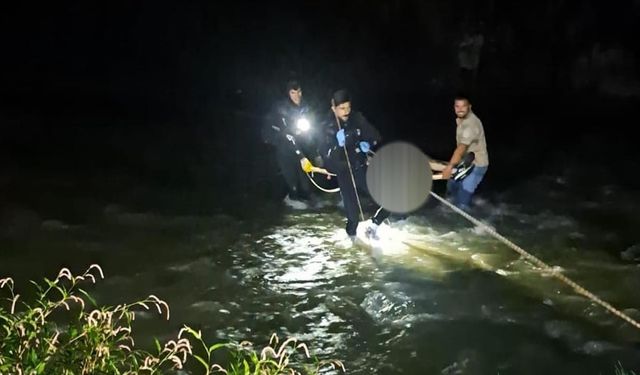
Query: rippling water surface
455	302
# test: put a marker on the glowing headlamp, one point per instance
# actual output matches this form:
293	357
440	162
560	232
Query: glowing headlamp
303	124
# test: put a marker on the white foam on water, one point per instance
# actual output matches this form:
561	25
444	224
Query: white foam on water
389	239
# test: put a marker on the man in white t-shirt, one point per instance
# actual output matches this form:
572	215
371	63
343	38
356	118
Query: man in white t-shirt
469	138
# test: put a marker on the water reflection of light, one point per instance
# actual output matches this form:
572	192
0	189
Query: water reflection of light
390	241
337	295
306	271
309	265
305	258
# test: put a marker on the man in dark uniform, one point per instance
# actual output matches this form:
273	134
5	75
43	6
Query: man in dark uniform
348	139
289	131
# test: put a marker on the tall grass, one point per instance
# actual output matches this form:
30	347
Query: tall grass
621	371
64	331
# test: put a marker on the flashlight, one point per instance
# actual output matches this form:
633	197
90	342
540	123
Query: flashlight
303	124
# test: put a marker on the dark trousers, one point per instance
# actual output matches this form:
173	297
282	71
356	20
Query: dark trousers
350	200
298	184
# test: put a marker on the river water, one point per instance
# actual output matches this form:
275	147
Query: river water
459	302
199	224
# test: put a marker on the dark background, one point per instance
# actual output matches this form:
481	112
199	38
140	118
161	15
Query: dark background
103	96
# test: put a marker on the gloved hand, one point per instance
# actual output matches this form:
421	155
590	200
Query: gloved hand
340	136
306	165
365	146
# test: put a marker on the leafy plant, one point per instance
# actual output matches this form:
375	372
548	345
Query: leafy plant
621	371
272	360
58	334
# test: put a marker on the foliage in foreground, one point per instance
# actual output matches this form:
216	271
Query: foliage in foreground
58	334
621	371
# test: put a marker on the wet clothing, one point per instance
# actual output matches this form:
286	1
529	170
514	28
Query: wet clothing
357	129
291	145
470	133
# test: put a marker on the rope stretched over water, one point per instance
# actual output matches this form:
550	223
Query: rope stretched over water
553	271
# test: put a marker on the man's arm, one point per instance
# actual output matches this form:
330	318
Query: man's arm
468	134
455	159
273	130
459	152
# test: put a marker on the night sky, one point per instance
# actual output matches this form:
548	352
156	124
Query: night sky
175	92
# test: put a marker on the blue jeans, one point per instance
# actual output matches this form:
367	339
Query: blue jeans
462	191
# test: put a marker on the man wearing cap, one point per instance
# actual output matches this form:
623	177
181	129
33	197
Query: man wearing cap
348	139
